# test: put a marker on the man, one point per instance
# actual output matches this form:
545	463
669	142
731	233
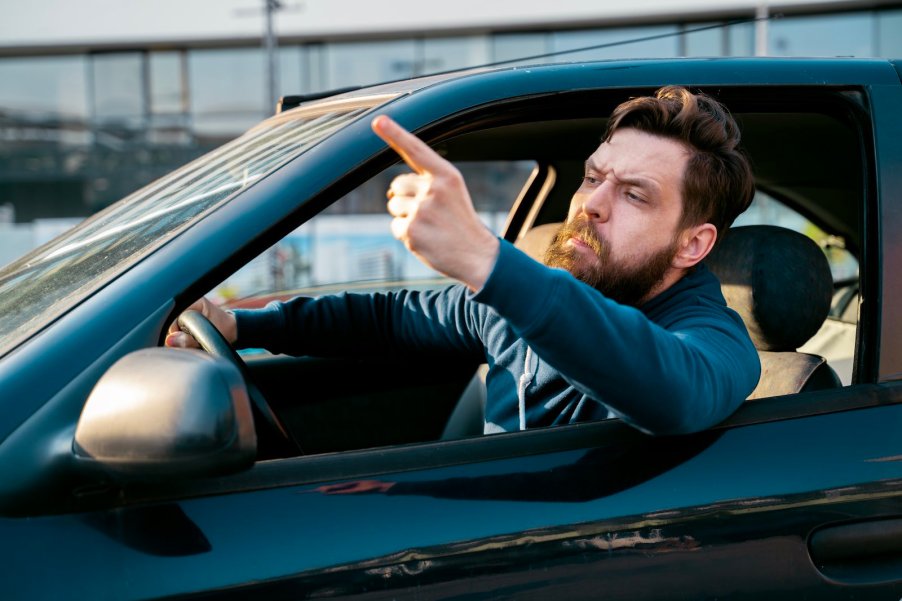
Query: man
641	332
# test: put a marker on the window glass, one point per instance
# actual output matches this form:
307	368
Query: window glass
313	69
351	242
118	87
889	34
823	35
290	71
48	282
167	94
363	63
709	42
228	90
43	87
511	46
655	48
444	54
741	39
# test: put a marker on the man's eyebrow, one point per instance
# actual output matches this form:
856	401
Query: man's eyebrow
638	181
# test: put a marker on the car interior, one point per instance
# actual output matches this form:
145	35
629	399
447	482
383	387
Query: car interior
809	155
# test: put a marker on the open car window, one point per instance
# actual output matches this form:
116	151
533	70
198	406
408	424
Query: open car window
349	246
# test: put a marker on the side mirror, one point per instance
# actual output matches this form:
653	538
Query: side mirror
172	412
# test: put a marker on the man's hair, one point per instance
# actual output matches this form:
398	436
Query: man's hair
718	184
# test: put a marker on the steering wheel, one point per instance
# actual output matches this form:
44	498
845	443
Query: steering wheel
273	438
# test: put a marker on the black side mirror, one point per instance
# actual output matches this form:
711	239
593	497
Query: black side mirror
171	412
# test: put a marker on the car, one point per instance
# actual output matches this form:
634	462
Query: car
134	471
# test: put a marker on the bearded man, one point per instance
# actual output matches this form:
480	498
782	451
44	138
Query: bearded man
623	320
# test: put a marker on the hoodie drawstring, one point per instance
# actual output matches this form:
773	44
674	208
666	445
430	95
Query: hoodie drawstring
530	363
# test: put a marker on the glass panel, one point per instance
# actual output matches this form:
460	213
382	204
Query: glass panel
313	76
889	34
290	71
848	34
166	88
44	86
445	54
663	47
363	63
742	39
519	45
228	90
118	81
352	241
48	282
709	42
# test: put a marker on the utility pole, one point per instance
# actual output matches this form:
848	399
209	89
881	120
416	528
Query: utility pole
270	44
762	18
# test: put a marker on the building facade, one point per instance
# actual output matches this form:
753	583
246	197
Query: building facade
87	116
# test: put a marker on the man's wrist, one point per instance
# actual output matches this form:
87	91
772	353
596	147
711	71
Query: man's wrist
483	262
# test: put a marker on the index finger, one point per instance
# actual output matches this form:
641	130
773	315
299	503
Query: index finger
414	151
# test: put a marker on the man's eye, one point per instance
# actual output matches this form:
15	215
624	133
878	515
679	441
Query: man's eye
634	197
590	179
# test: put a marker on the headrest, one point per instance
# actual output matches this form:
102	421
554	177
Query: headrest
778	281
537	239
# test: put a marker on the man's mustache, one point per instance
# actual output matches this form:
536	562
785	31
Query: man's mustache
580	229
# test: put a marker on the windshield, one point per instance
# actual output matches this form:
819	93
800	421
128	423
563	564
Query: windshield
49	281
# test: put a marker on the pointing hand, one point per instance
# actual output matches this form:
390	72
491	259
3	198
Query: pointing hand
433	214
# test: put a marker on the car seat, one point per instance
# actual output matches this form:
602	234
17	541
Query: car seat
779	282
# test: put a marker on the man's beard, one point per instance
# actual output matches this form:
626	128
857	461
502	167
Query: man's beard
626	285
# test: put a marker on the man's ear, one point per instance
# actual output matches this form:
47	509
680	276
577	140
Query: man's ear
695	244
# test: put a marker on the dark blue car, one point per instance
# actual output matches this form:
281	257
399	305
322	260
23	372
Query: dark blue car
133	471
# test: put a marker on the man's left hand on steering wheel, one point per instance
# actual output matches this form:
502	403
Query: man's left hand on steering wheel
204	325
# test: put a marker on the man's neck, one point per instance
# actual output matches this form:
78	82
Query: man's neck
671	277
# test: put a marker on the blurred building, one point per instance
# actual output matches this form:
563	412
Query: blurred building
99	97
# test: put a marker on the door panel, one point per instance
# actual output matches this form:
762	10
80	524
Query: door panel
343	404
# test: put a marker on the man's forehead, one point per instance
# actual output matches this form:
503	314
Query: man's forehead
633	154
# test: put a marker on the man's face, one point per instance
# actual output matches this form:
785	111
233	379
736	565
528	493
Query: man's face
621	235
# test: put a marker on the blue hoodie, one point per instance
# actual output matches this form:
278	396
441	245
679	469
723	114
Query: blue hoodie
558	351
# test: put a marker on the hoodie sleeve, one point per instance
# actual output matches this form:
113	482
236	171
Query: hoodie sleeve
681	379
400	323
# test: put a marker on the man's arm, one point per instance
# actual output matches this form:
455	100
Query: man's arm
685	378
400	323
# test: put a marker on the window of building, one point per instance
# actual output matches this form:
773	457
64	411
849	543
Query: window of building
621	40
363	63
43	86
708	42
510	46
117	88
228	90
889	34
822	35
444	54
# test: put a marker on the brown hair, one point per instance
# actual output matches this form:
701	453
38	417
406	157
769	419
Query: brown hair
718	184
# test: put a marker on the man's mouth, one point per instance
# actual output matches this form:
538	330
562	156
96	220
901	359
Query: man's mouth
580	244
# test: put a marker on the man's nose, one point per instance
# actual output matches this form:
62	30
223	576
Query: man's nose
597	204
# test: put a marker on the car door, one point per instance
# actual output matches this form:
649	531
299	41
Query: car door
775	503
